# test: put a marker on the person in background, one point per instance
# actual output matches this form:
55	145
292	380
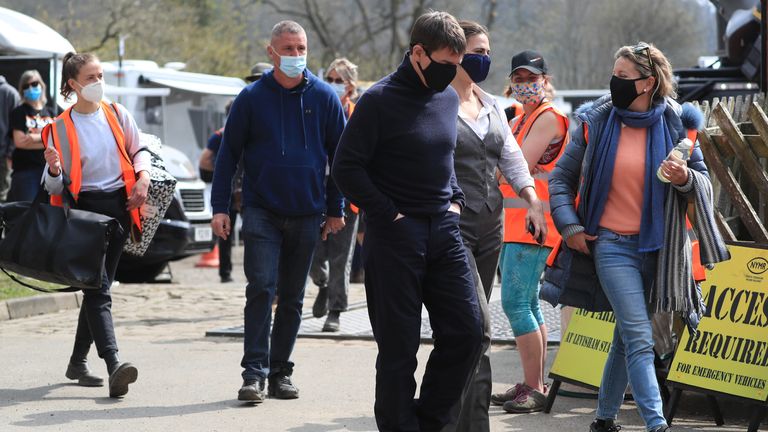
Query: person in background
621	217
27	122
9	99
485	144
206	164
106	182
395	160
542	131
285	127
332	263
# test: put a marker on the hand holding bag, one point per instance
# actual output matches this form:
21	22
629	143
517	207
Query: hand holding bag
55	244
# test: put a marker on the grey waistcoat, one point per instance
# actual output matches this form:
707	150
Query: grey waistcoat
475	161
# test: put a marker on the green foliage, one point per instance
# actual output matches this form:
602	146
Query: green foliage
226	37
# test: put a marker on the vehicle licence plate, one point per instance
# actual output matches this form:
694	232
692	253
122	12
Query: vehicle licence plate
203	234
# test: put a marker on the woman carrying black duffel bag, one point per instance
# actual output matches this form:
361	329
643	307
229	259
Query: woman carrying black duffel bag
94	148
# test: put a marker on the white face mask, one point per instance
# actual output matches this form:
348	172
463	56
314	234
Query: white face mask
92	92
340	89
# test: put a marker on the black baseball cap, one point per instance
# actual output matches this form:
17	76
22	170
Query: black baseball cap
530	60
257	71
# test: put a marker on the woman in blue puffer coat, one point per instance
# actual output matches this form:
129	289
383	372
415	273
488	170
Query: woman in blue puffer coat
620	220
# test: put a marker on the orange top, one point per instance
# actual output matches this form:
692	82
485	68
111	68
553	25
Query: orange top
624	207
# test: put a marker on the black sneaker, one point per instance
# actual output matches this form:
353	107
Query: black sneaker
281	387
252	391
320	307
125	374
604	426
226	279
332	324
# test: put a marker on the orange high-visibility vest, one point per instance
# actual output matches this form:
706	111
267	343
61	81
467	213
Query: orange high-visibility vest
64	136
350	109
515	207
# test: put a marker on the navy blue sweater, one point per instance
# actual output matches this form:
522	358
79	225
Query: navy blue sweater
288	137
396	153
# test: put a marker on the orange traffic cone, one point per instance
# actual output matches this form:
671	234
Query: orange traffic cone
209	259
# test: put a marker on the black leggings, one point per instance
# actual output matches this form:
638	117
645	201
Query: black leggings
95	321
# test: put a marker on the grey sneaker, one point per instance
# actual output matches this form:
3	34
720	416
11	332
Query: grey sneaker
332	323
252	391
511	393
320	307
528	400
83	375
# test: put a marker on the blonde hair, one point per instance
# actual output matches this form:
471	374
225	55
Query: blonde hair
30	75
650	61
347	71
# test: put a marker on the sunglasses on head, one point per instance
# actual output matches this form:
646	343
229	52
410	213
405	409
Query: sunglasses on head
646	49
335	81
30	84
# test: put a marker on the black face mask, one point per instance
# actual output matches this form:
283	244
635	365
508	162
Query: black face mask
623	91
437	75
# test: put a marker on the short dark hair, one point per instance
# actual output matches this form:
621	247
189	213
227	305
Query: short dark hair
436	30
472	28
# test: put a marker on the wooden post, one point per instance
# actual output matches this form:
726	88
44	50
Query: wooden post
740	147
729	184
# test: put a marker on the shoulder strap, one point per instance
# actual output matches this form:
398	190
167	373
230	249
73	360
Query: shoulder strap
37	288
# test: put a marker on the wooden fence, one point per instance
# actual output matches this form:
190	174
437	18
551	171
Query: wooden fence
735	147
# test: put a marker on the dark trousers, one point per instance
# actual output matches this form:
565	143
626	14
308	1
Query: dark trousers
332	263
482	234
25	184
410	262
278	253
95	321
225	247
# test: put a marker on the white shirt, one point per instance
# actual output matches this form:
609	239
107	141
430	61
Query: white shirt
512	163
99	158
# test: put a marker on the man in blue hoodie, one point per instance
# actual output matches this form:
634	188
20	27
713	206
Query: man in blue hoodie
286	127
395	161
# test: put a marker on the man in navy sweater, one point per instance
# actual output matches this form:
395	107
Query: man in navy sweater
286	126
395	161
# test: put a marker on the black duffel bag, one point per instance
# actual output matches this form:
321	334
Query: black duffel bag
54	244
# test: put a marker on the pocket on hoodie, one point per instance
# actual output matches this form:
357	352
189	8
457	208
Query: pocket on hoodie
291	188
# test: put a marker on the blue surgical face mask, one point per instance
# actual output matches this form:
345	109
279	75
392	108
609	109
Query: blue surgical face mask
33	93
340	89
476	66
293	66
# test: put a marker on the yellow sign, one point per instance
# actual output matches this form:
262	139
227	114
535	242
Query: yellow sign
730	351
584	347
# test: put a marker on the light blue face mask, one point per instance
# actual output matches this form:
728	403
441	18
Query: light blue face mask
33	93
293	66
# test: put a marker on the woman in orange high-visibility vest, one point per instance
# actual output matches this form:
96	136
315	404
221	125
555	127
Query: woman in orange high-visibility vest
542	132
96	145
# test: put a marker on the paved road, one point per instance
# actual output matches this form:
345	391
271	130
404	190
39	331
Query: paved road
188	382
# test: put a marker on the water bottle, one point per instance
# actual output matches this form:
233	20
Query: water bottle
679	154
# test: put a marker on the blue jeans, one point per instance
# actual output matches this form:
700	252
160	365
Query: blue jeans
278	253
521	268
624	274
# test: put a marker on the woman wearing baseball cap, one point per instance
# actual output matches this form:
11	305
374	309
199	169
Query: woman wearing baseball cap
542	131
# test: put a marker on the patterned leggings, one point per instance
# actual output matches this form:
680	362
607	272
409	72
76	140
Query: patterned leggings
521	268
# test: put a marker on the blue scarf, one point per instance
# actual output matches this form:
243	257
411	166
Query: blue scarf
598	180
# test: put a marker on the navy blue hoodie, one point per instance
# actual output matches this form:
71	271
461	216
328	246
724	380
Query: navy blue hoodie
287	138
396	154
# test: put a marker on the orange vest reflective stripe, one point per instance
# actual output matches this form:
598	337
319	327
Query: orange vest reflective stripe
64	136
515	207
